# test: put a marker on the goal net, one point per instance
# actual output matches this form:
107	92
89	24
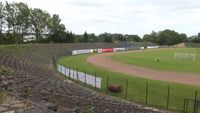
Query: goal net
184	56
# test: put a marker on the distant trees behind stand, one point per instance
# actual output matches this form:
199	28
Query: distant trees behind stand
19	24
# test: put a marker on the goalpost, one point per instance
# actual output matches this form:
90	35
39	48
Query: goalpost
185	56
198	50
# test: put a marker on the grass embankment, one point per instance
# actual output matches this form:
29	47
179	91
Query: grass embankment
157	90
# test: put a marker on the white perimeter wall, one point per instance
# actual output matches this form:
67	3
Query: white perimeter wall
80	76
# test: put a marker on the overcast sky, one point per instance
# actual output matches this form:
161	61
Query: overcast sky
124	16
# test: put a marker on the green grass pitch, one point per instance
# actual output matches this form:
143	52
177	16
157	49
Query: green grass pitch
166	57
157	94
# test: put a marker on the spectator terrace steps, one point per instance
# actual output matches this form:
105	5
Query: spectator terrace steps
33	78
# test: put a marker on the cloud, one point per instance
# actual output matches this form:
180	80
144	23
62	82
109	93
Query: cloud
84	3
127	16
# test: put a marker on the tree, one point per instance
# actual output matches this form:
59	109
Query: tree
57	30
85	37
39	23
183	37
2	15
133	38
195	39
147	38
11	13
117	37
106	37
169	37
78	38
18	20
71	35
164	38
23	18
153	37
92	38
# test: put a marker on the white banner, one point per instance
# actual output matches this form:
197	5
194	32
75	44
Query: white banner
99	50
152	47
118	49
83	77
141	47
83	51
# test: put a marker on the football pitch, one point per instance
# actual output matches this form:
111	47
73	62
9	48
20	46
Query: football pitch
158	90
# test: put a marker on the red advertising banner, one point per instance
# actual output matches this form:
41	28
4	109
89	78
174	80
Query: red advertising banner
107	50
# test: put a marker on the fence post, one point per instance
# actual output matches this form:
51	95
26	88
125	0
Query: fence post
65	72
107	84
168	93
184	103
73	76
195	102
77	74
54	63
197	106
126	89
146	91
85	78
95	81
69	73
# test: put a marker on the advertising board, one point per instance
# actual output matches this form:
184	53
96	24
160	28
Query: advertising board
118	49
107	50
100	51
83	51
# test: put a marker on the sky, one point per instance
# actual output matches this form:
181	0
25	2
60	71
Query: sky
124	16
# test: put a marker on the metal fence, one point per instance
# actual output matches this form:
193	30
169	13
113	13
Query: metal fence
145	92
191	105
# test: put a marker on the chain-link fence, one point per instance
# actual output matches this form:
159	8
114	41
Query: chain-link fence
161	95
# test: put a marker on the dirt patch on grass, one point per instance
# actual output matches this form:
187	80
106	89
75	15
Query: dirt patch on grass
104	60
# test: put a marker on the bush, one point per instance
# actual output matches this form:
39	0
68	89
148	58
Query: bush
4	71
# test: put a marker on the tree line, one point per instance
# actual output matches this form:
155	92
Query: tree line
21	24
18	20
170	37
